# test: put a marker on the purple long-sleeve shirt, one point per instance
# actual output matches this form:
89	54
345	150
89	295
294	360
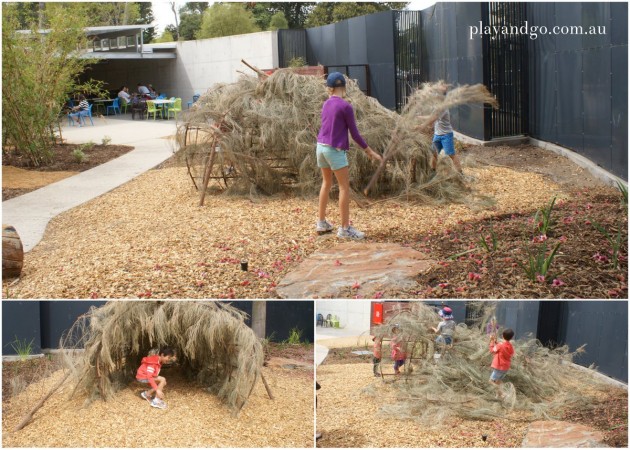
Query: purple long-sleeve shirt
337	120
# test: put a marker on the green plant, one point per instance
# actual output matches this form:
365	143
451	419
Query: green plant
106	140
543	219
298	61
624	192
295	337
78	155
615	242
23	348
495	241
538	264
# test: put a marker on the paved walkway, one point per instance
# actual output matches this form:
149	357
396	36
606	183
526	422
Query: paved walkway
327	338
30	213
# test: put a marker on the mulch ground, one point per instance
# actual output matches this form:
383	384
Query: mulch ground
64	161
610	416
18	375
194	418
349	403
347	416
150	239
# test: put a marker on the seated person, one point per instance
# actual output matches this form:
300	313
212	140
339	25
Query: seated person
143	90
82	109
124	95
161	96
152	91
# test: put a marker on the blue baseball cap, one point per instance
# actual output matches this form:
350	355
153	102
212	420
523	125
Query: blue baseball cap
335	79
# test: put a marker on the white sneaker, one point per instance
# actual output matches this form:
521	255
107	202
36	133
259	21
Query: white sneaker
350	232
157	403
323	227
145	396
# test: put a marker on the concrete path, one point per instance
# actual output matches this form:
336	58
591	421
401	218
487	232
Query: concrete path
30	213
327	338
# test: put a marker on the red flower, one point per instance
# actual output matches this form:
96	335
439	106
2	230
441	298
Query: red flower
245	283
443	285
356	285
338	263
557	282
540	278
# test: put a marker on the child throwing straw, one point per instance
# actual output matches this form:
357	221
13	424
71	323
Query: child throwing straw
148	373
332	145
502	360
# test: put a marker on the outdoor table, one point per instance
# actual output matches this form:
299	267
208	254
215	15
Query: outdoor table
102	103
161	103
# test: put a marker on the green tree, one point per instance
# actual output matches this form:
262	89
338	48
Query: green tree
190	16
172	30
226	19
166	36
145	12
39	71
278	22
295	12
331	12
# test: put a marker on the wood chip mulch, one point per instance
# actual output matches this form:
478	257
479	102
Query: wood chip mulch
194	418
347	417
150	239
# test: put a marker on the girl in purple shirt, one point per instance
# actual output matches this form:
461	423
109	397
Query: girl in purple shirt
332	145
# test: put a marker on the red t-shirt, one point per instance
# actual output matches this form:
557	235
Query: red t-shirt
502	355
149	369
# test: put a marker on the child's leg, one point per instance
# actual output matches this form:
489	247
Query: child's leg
343	178
161	383
456	162
324	192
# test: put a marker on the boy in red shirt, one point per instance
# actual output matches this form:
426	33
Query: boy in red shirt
503	353
149	371
398	349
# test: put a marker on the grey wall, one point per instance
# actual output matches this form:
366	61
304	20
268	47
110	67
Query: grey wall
602	326
360	40
449	54
46	321
21	321
579	84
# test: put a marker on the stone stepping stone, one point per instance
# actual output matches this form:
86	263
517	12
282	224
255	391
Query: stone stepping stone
559	434
371	267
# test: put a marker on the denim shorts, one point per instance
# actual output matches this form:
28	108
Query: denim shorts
497	375
143	380
443	339
444	142
331	158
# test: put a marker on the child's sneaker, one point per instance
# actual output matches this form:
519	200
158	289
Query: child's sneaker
350	232
157	403
323	226
146	396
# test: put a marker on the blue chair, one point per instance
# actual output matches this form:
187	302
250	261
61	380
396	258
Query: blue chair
114	106
84	114
194	100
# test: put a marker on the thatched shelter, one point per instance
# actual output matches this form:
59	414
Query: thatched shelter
215	348
264	130
540	382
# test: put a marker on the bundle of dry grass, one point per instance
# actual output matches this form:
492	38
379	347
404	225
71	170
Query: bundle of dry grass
540	382
266	130
214	346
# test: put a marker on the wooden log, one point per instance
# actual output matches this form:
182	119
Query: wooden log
12	253
27	418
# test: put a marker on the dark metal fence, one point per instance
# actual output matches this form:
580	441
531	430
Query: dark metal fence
407	54
505	69
291	45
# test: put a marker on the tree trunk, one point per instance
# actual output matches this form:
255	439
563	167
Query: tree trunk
259	318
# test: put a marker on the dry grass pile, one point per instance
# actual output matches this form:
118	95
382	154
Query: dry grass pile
540	381
214	346
266	130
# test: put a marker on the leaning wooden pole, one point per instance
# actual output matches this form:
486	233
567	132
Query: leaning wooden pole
269	393
27	418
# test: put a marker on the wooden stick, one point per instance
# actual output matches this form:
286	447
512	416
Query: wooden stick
269	393
255	69
39	404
